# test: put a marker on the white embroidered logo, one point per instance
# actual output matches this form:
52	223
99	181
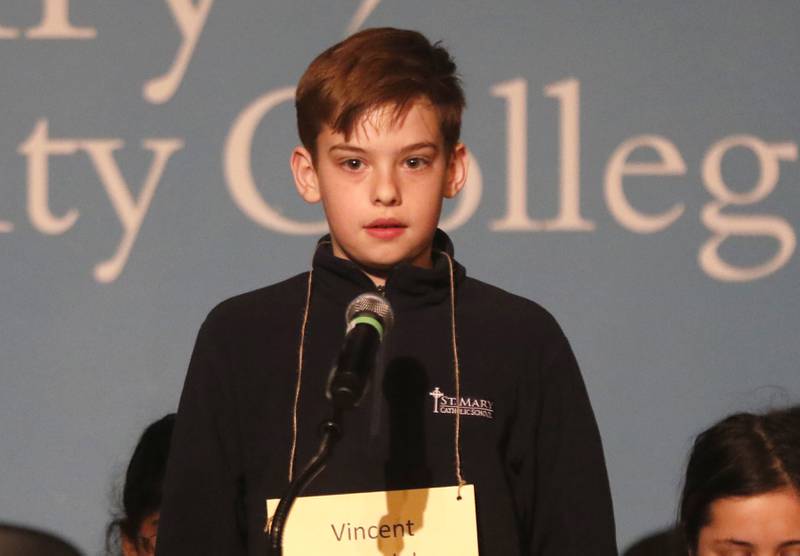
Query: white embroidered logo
465	406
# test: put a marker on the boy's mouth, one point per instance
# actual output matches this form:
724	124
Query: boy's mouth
385	228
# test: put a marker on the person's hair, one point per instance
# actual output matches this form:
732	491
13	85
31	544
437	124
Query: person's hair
375	68
141	495
742	455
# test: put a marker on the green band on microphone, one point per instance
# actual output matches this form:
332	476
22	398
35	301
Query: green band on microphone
372	321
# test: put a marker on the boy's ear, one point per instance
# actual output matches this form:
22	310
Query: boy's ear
305	175
456	171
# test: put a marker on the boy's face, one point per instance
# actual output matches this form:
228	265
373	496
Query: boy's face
382	189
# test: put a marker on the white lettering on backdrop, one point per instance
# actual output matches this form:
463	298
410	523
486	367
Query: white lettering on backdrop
516	218
191	16
671	164
239	175
38	148
191	19
725	226
131	212
55	24
362	13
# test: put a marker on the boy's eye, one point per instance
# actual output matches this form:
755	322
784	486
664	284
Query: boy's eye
353	164
416	162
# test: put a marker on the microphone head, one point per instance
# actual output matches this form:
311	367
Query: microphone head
373	304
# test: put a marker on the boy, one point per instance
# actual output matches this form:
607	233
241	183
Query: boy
379	118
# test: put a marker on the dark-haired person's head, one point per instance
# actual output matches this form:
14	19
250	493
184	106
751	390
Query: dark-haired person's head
136	527
741	495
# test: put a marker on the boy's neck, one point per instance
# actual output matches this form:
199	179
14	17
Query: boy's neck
380	275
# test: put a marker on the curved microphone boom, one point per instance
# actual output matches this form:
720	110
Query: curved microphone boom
369	318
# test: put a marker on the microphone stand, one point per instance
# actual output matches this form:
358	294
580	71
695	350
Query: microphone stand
331	432
345	388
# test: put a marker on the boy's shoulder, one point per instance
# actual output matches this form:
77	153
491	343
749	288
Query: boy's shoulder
494	306
497	300
261	306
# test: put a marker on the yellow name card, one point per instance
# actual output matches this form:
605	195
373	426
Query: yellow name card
418	522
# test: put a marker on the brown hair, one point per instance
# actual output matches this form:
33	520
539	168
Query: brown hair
374	68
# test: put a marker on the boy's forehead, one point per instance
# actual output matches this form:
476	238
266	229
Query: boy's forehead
417	118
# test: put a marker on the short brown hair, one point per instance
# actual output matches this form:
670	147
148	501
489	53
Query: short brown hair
374	68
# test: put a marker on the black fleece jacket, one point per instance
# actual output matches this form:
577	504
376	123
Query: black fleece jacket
535	459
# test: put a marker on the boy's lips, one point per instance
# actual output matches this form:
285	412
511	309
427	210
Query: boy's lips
385	228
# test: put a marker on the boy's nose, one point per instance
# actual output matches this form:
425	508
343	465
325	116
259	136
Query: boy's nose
385	190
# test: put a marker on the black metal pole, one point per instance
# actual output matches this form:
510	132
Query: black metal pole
331	432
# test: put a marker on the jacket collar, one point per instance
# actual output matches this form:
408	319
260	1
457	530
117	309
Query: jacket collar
407	286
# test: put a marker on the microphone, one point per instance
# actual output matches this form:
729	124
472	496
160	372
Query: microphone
369	318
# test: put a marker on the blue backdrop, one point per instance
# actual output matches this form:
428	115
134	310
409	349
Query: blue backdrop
635	170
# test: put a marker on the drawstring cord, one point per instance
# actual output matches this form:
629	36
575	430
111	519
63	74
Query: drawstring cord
456	372
299	374
298	383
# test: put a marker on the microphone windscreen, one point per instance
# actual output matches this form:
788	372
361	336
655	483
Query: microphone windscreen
374	304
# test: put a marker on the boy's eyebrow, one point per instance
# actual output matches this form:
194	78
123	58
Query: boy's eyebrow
346	147
736	542
413	147
787	544
421	145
